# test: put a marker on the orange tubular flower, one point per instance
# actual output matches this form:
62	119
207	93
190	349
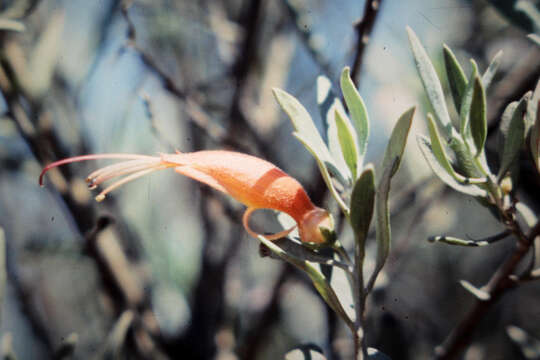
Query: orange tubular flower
255	182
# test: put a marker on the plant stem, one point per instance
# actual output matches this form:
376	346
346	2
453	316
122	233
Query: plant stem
499	283
359	296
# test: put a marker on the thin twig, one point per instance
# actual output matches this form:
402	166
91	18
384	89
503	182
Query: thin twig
498	285
363	29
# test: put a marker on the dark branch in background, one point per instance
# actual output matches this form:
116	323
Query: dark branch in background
363	30
297	11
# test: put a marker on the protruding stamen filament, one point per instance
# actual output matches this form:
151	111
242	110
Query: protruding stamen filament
101	175
129	178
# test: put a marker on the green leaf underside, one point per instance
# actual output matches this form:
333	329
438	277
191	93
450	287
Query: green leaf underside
357	111
477	117
465	109
426	149
438	148
328	102
362	201
491	70
432	84
347	141
382	222
318	279
305	127
456	76
398	140
514	134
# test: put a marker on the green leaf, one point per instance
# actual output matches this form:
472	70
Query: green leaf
432	84
328	103
491	70
347	140
306	129
465	109
513	135
398	140
362	201
456	77
438	148
383	232
477	117
357	110
532	108
318	279
535	139
323	167
425	148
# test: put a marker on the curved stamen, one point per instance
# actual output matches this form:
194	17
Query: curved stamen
127	179
101	175
90	157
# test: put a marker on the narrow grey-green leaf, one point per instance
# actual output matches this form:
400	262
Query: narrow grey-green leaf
431	83
532	108
491	70
398	140
535	139
382	221
357	110
374	354
318	279
328	102
465	109
438	148
303	123
362	201
456	77
323	167
477	117
10	24
514	137
347	141
427	151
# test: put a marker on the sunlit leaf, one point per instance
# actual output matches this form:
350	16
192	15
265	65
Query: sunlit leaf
464	111
323	167
456	77
438	148
362	201
318	279
535	139
306	129
490	72
347	140
477	116
432	84
328	103
12	25
425	148
357	110
513	135
397	141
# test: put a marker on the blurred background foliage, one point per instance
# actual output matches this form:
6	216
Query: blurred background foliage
162	269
